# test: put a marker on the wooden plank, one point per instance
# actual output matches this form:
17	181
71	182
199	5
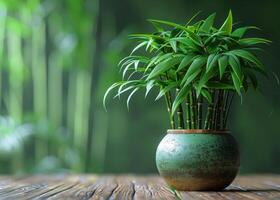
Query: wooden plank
105	188
124	189
90	187
158	189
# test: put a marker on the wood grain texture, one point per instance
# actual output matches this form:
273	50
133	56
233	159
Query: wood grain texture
91	187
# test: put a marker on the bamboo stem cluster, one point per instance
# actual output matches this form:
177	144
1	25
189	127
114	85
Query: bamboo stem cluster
195	113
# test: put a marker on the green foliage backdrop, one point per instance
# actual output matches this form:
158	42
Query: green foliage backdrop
58	57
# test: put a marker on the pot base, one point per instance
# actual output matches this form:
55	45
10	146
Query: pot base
198	184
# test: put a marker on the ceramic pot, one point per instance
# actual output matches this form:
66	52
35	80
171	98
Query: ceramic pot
198	159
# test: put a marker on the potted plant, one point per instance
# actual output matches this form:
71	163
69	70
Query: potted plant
198	69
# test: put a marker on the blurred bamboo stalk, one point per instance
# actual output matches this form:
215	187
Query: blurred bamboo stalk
55	91
16	74
16	79
3	19
81	120
71	93
39	78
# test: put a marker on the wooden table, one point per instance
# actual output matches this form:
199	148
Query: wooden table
129	187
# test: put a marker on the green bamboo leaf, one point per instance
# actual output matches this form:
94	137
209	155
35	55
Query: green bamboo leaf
124	59
193	36
173	45
205	93
247	56
123	91
127	68
125	62
211	61
130	59
196	64
146	36
192	18
108	91
170	24
208	23
227	26
160	57
138	47
149	43
186	61
149	86
157	27
203	80
236	82
223	62
136	63
132	74
235	65
164	66
126	83
189	43
164	57
180	98
213	37
192	77
166	89
129	97
253	41
152	62
240	32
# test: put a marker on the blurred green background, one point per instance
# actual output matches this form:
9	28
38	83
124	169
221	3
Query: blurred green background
57	58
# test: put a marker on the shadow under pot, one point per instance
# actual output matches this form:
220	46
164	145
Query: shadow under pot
198	159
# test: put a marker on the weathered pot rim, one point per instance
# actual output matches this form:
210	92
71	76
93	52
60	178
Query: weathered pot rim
196	131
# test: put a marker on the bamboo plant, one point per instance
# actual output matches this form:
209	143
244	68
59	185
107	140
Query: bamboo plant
197	67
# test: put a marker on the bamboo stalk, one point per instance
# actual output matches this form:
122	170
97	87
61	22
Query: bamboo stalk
219	110
226	96
194	110
215	109
228	110
222	105
213	123
169	102
199	111
209	114
191	111
169	106
188	111
180	114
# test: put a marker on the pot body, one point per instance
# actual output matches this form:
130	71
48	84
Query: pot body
202	160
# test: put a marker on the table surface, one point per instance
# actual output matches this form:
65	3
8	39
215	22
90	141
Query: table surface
253	187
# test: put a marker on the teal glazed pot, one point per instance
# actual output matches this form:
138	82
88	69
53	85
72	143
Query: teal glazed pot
198	159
